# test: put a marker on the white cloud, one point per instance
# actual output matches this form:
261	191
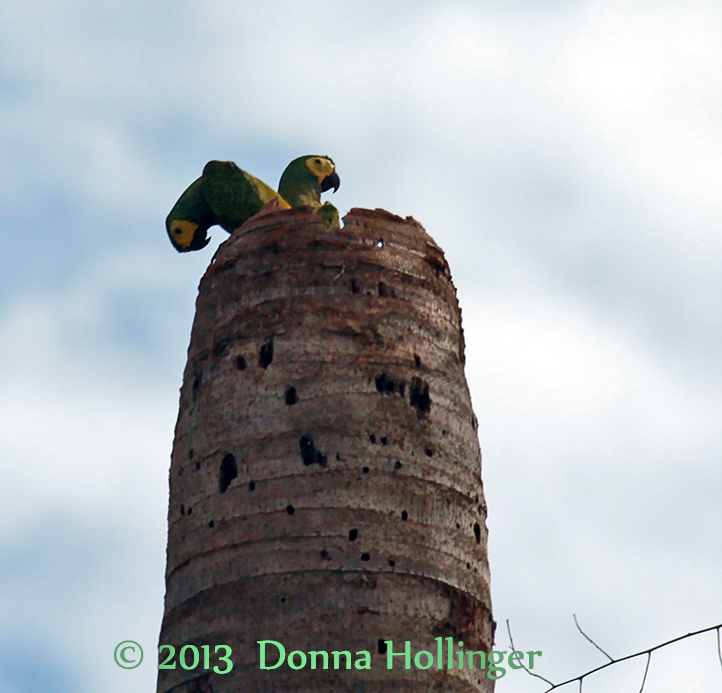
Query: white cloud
647	78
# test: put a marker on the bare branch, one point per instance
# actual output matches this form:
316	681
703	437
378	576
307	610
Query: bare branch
719	649
579	628
647	652
531	673
646	670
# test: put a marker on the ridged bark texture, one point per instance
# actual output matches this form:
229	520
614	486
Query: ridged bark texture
325	485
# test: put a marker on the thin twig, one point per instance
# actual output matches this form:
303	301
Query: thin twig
719	649
646	670
579	628
531	673
343	269
648	652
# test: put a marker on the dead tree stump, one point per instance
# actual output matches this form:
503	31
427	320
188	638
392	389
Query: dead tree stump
325	487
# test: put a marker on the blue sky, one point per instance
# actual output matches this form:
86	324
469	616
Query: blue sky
568	158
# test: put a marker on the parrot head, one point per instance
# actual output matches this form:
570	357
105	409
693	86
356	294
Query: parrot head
189	220
187	235
324	170
306	178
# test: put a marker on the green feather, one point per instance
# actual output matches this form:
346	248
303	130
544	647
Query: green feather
192	205
234	195
298	185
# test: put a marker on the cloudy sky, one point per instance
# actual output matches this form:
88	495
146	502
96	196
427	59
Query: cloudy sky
568	158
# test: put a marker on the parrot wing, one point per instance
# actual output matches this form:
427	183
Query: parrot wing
234	195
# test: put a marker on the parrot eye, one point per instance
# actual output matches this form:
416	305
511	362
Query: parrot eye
318	161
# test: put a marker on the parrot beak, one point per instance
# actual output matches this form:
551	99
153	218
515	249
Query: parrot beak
331	181
200	239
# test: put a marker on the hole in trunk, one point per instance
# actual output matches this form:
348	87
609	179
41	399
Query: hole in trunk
265	356
228	472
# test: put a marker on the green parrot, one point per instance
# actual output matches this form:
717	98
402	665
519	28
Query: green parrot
305	179
228	196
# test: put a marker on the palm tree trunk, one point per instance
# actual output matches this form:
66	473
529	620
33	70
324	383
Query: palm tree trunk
325	488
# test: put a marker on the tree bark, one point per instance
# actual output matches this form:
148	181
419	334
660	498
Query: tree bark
325	487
